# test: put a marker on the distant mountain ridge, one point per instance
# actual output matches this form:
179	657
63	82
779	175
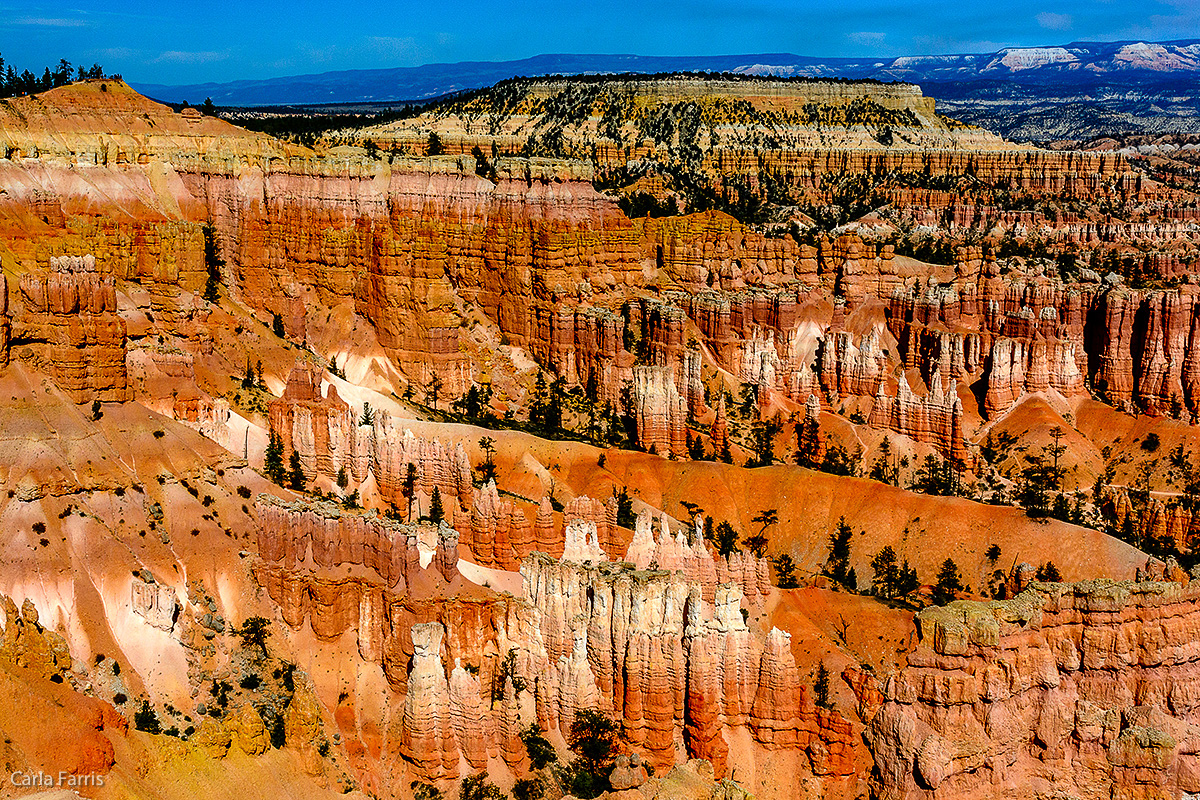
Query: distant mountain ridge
1169	65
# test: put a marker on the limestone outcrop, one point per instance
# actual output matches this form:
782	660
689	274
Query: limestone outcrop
660	412
691	558
323	535
502	531
427	738
658	654
935	418
72	311
155	603
1079	688
330	437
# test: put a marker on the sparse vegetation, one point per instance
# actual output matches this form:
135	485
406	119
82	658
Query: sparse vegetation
949	583
785	572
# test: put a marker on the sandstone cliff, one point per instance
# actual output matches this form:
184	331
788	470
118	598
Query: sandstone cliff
1079	688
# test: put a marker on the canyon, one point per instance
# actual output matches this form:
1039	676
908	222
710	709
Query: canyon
483	451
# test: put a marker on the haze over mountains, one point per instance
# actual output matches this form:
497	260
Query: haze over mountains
1079	63
1029	93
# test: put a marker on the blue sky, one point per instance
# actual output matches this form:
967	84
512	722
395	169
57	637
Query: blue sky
224	40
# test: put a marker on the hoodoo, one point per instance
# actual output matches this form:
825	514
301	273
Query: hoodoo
668	436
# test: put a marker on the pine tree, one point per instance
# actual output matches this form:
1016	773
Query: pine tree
487	470
785	572
838	565
213	263
273	463
277	326
538	403
821	687
624	507
949	583
758	542
554	409
436	513
410	485
886	572
726	539
726	453
435	389
295	472
907	582
248	381
368	415
342	479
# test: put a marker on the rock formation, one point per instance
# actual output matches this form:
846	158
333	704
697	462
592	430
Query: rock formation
155	603
426	736
322	534
1064	688
632	625
810	442
660	412
326	433
935	418
421	271
72	310
720	428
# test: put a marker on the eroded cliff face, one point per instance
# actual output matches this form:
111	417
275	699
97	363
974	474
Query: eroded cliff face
452	652
646	644
412	245
702	123
668	649
72	313
1085	688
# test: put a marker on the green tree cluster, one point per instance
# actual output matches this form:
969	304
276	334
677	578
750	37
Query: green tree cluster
892	579
837	566
13	83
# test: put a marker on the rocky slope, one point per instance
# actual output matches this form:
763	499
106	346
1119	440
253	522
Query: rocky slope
1065	688
407	643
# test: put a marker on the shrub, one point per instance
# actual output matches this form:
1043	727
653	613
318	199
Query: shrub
541	752
423	791
278	732
529	789
477	787
1049	573
145	719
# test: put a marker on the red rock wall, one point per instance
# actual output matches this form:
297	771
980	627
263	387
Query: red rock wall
324	430
1088	690
659	411
321	534
73	312
678	658
935	419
